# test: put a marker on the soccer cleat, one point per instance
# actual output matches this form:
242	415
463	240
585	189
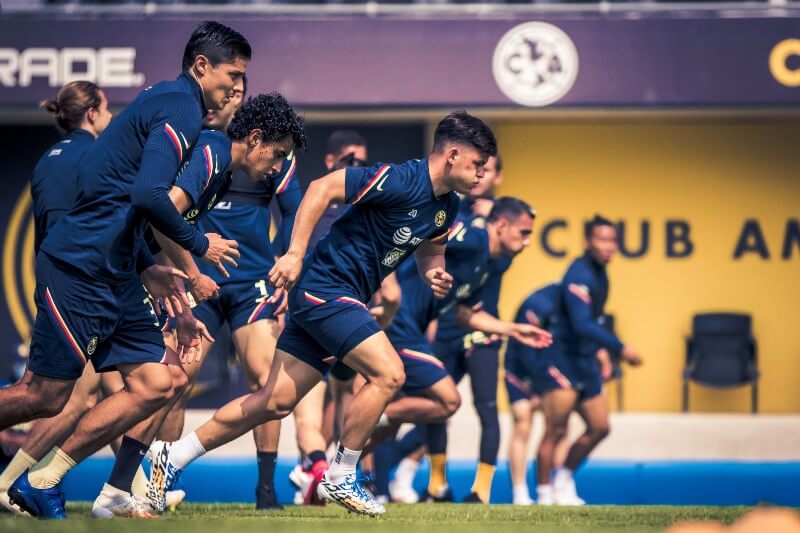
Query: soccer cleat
444	496
306	484
7	507
350	495
402	493
473	498
46	504
565	493
266	498
114	503
163	476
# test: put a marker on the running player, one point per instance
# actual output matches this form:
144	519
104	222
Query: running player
315	415
245	298
429	393
90	299
81	111
567	375
398	210
465	351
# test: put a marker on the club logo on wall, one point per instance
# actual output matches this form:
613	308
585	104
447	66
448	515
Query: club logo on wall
535	64
19	279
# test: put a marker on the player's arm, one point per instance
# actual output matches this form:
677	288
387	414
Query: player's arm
528	334
431	267
288	196
577	291
320	193
163	153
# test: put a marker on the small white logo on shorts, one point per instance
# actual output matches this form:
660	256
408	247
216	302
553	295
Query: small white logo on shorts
463	291
535	64
402	235
392	257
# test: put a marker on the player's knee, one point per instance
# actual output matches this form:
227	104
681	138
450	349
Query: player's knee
451	403
180	381
155	390
487	413
391	379
47	401
599	432
555	432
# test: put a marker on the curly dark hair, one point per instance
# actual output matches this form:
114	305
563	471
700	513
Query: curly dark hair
462	128
271	114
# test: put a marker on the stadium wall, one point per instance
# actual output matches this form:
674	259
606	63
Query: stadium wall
711	223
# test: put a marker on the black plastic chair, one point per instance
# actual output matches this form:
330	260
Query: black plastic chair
721	353
607	321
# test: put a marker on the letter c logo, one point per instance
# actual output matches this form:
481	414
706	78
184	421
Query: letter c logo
777	62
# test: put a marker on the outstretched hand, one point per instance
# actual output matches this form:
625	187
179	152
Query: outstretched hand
165	285
286	270
531	335
190	333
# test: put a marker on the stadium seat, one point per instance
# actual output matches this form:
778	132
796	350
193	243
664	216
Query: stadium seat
607	322
721	353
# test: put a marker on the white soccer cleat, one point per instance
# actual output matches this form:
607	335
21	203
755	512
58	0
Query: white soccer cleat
113	503
565	493
402	493
163	476
5	504
350	495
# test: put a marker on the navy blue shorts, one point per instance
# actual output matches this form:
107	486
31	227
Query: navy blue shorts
454	352
422	368
558	371
322	328
80	319
239	303
519	372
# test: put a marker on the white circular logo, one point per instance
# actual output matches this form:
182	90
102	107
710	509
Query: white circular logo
402	235
535	64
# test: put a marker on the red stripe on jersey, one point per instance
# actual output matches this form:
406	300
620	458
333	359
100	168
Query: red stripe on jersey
177	142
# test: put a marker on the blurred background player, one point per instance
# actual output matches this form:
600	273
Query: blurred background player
429	395
567	375
464	351
81	112
315	416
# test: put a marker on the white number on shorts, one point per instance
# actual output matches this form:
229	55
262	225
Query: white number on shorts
149	301
261	285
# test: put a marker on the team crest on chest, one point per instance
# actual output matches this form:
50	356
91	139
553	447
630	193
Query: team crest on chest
392	257
440	218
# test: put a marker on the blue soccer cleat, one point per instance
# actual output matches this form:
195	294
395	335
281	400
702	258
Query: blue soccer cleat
350	494
46	504
164	476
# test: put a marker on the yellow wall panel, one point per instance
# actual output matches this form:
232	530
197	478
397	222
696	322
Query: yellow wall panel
710	173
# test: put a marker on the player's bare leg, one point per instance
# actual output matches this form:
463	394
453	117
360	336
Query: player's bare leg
594	412
522	414
48	432
33	397
309	421
556	407
255	345
172	427
440	402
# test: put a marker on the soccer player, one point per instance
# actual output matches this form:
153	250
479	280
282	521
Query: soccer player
541	309
398	210
81	111
312	415
429	393
90	299
476	353
567	375
245	298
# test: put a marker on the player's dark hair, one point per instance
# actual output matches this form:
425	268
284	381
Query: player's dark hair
271	114
341	138
595	222
219	43
462	128
498	164
74	100
510	208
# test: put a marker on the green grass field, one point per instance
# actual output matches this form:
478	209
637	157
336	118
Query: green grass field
199	518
